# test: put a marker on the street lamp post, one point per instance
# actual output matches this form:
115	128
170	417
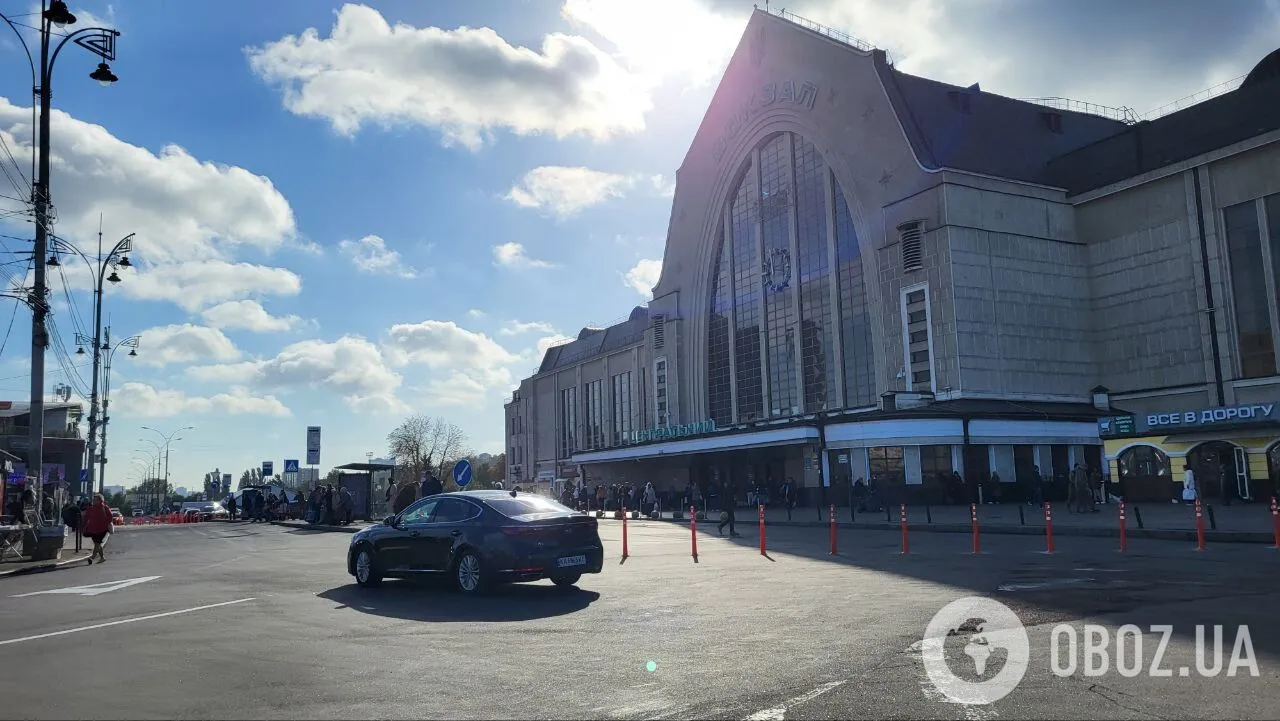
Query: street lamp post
100	42
103	352
153	462
168	438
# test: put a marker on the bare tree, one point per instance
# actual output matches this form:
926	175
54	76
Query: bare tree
421	443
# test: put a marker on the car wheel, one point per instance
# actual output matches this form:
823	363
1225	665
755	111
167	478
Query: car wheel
567	580
367	575
467	573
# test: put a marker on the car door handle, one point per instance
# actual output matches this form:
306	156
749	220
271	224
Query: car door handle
455	532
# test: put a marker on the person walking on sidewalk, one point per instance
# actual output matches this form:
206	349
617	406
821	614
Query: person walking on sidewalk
97	526
730	500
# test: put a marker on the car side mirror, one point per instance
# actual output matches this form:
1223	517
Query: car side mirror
390	521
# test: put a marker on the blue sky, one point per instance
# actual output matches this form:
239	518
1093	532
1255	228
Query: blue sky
348	213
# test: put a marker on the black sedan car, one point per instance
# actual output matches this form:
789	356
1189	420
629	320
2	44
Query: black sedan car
479	538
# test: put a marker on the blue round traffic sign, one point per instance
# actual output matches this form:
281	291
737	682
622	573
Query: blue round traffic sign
462	473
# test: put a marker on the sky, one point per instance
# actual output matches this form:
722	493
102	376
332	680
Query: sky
343	214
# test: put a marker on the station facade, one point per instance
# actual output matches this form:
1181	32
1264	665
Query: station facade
870	274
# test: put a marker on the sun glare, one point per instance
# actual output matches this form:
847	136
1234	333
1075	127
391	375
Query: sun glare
661	37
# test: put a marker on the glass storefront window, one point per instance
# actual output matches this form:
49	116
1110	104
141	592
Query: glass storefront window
886	464
1145	474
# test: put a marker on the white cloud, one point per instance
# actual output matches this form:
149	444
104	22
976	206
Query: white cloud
468	363
566	191
146	401
184	343
196	284
644	275
512	255
350	366
248	315
370	254
516	327
179	207
467	82
475	313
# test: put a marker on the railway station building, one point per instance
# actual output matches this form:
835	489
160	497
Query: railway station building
870	274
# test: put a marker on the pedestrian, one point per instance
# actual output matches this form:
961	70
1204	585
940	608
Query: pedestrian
231	507
727	515
1189	490
97	526
348	506
788	493
651	499
431	486
1080	488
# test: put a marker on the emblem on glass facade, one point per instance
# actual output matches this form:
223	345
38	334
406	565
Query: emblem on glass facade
777	270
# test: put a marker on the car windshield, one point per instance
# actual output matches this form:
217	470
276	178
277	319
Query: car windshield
526	506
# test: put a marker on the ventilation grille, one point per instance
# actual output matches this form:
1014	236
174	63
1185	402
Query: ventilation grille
659	326
910	236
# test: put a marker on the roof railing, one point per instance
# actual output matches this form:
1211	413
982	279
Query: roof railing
1194	99
838	35
1123	114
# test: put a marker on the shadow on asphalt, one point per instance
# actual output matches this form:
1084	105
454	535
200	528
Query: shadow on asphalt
432	603
1154	582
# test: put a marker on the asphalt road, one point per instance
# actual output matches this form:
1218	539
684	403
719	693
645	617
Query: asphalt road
254	621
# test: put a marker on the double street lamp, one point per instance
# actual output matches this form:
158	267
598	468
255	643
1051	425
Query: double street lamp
117	257
54	16
168	439
103	354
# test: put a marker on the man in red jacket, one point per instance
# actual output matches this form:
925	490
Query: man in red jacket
98	524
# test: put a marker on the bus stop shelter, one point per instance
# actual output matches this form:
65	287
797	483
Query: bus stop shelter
357	478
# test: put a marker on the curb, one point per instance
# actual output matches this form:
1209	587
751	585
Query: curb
1006	530
42	568
318	528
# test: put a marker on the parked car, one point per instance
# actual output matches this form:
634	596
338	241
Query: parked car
207	510
478	539
117	517
138	513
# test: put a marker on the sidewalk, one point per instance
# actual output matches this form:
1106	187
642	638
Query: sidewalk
303	525
1237	523
70	557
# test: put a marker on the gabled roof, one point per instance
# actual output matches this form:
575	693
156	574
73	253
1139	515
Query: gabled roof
592	342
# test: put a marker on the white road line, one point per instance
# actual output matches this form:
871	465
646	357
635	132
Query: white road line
778	713
123	621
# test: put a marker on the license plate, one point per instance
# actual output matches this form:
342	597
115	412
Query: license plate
571	561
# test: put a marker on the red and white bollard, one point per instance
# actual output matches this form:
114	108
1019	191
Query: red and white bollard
1048	528
1275	521
1124	541
833	527
902	513
973	520
624	533
693	529
1199	527
763	552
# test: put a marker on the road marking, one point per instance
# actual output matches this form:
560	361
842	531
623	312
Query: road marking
96	589
778	713
1013	587
123	621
